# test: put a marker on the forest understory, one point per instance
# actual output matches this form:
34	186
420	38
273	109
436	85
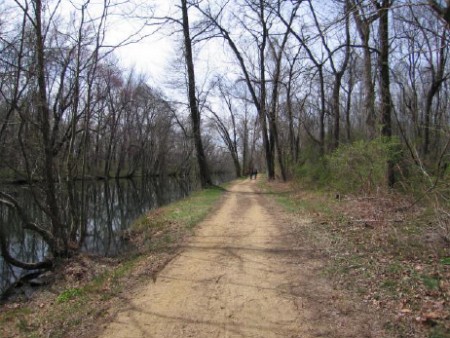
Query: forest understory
385	249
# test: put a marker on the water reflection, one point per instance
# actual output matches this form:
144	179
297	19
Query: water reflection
110	208
23	244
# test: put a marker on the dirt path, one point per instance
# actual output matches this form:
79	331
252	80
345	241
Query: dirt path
237	278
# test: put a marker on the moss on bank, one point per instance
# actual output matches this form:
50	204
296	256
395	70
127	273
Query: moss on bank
87	290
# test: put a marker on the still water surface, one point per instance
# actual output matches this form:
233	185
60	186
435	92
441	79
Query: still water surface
111	207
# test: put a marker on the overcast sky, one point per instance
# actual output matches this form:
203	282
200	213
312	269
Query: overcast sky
155	55
152	54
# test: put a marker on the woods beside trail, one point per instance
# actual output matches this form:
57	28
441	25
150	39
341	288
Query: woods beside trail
344	103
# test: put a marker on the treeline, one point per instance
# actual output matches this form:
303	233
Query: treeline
68	110
70	113
321	75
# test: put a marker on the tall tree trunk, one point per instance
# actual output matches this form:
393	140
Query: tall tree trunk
349	105
45	127
245	145
363	26
369	92
268	140
237	165
290	114
337	73
386	127
322	111
337	109
437	79
273	123
205	177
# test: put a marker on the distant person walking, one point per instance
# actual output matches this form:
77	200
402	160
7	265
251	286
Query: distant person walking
254	174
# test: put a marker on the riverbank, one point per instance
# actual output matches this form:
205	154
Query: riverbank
109	208
81	291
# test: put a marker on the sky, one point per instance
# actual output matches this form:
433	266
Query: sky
151	55
155	55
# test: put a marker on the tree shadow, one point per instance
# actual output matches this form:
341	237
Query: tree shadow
217	187
229	324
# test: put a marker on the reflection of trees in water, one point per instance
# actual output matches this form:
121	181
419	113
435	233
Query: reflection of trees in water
9	274
23	244
111	206
186	185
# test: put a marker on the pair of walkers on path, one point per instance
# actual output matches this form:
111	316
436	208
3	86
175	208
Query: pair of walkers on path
253	174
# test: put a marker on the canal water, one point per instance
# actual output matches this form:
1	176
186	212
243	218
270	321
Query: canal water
111	207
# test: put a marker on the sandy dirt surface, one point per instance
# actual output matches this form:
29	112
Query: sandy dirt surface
240	277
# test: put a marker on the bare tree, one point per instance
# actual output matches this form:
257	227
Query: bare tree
205	177
278	52
294	131
227	131
442	11
338	72
60	120
364	18
318	62
256	24
383	8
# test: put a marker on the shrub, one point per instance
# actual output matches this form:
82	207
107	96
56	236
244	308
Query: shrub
362	165
314	172
357	167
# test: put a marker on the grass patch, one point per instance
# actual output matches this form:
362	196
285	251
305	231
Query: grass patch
14	313
430	282
445	261
296	200
75	306
69	294
193	210
20	320
187	212
439	332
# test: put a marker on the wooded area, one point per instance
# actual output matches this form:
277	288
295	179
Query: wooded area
348	93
